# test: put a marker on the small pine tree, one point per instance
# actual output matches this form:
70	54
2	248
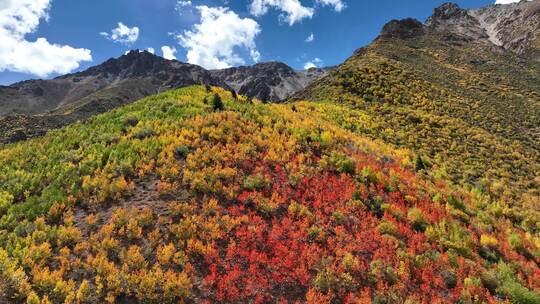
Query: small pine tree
217	104
419	164
234	95
208	88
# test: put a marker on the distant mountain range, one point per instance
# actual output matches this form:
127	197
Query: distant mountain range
32	107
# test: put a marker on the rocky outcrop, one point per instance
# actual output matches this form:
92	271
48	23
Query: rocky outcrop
403	29
447	11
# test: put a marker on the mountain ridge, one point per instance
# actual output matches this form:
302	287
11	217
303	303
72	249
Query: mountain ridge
31	108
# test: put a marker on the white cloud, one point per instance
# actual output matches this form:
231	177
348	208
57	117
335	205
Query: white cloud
122	34
213	43
168	52
310	38
184	7
21	17
315	63
180	4
151	50
506	1
293	10
338	5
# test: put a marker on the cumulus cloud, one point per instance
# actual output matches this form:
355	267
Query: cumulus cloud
151	50
122	34
168	52
315	63
21	17
293	10
338	5
310	38
215	41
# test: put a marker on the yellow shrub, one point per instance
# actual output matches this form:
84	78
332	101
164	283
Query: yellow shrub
488	240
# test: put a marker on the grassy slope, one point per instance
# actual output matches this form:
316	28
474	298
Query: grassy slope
470	112
166	200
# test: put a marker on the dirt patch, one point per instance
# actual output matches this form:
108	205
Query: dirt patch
144	195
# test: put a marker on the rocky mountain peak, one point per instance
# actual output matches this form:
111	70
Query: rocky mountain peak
133	64
405	28
450	17
448	11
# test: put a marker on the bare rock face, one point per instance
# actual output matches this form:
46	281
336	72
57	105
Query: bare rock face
451	19
514	27
447	11
403	29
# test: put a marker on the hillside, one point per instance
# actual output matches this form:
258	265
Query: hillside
192	196
470	108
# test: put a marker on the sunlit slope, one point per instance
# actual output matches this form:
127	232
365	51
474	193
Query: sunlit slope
472	113
183	198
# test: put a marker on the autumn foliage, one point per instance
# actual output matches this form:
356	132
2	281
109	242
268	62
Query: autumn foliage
254	203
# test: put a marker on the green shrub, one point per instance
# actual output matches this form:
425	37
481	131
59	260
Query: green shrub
419	164
339	162
389	228
325	280
512	289
217	104
339	217
144	133
130	121
417	220
254	182
181	152
6	199
519	294
490	280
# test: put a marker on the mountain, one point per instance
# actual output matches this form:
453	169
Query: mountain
132	76
469	106
31	108
270	81
514	27
177	199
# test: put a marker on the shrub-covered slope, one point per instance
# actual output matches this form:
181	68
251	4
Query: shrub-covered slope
470	110
194	196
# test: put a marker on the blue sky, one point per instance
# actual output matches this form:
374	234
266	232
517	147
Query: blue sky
213	33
